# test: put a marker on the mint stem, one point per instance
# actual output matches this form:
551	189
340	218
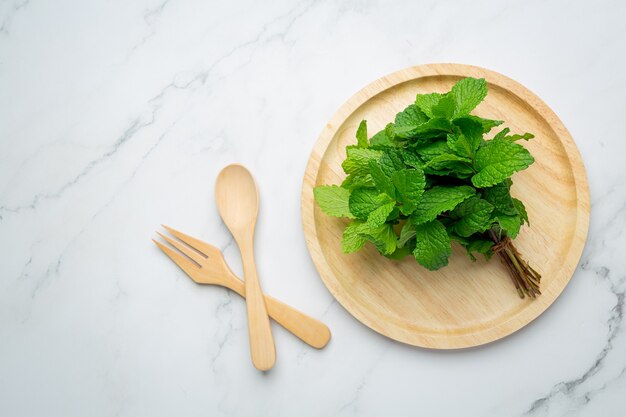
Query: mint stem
525	278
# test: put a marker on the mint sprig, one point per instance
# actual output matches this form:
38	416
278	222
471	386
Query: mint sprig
431	177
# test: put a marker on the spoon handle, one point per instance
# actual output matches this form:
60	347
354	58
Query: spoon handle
262	346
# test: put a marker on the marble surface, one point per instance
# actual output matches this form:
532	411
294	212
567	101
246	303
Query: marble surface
116	116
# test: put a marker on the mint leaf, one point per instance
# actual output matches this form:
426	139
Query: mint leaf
433	128
474	215
358	232
406	233
468	93
479	246
400	253
353	239
500	197
411	116
497	160
390	162
450	163
411	159
510	224
409	184
445	108
468	140
426	102
461	145
377	217
361	135
438	200
360	180
363	201
357	161
382	180
487	124
333	200
432	245
504	134
431	150
521	209
384	238
525	136
382	140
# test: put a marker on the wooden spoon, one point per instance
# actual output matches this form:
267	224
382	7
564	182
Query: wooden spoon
238	202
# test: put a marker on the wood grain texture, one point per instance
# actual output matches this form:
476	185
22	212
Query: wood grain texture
464	304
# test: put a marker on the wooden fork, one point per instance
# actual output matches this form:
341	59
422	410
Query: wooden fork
205	264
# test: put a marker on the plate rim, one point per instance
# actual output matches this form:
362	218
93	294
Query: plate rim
443	341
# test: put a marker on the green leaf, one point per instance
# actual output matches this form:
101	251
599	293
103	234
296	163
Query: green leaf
411	159
468	93
432	128
503	134
463	241
431	150
382	140
479	246
390	162
333	200
357	161
450	162
500	197
461	145
353	239
358	232
394	215
497	160
487	124
467	142
510	224
384	238
361	135
400	253
382	180
363	201
377	217
445	108
406	233
439	199
519	206
426	102
525	136
409	184
411	116
361	180
474	215
432	245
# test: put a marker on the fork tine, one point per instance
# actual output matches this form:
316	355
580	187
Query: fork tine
183	262
189	252
197	244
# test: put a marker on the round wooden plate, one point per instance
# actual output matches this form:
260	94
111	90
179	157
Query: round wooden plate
464	304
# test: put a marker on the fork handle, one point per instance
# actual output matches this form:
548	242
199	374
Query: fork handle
311	331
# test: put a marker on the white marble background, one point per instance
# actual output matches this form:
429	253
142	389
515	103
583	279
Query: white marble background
115	116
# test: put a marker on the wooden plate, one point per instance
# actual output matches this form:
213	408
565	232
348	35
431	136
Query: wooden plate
464	304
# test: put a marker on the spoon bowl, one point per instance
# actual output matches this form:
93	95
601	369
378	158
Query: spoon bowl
237	199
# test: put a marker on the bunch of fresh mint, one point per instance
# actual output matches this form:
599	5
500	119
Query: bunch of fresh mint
431	178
